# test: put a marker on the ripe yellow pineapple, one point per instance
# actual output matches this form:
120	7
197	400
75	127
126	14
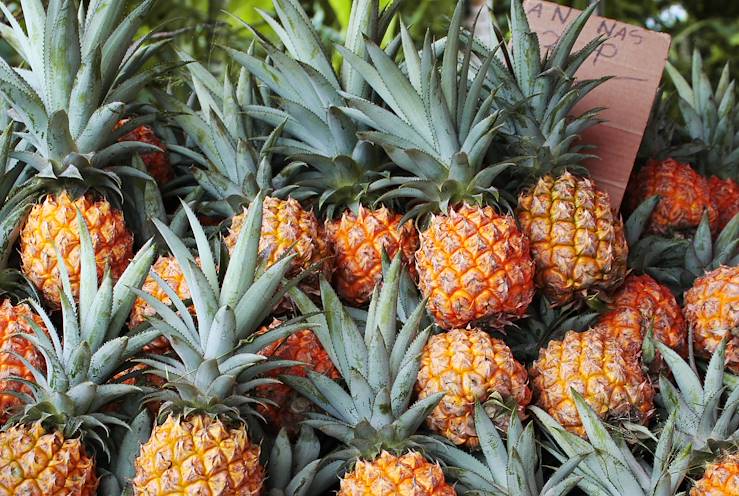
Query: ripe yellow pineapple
14	321
470	366
36	462
358	241
712	310
53	222
596	366
287	226
474	266
289	408
577	242
721	478
202	454
390	474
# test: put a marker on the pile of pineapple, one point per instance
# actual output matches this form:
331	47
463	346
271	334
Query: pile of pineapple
375	266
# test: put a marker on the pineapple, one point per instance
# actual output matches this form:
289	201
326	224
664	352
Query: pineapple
721	477
374	418
303	347
684	196
343	168
514	469
595	366
725	194
473	263
69	99
607	466
642	305
577	241
157	163
49	443
201	442
712	312
470	366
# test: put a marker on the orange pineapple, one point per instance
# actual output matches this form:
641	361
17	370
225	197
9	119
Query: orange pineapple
725	194
358	241
53	223
287	226
157	163
14	321
302	346
596	366
470	366
712	311
721	478
388	474
684	196
577	242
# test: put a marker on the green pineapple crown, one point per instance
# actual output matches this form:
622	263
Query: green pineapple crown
607	465
310	96
216	365
71	394
379	368
506	468
438	125
709	119
538	95
81	72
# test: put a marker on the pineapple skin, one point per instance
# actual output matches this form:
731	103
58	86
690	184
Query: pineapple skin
712	310
474	265
287	226
198	455
684	196
157	163
290	408
358	241
36	463
642	304
596	366
469	366
725	195
14	321
53	223
389	475
721	478
577	242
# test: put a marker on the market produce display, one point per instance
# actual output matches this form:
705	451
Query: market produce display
362	264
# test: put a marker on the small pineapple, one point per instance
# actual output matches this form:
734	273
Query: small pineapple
342	168
50	442
725	194
473	263
69	100
157	162
287	408
577	241
712	311
595	366
721	477
201	441
374	418
470	366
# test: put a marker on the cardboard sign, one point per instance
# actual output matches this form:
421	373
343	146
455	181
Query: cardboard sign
636	57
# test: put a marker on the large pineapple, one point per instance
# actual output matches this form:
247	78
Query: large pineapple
374	418
50	443
473	263
343	169
470	366
712	311
721	477
201	441
69	99
594	365
577	241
